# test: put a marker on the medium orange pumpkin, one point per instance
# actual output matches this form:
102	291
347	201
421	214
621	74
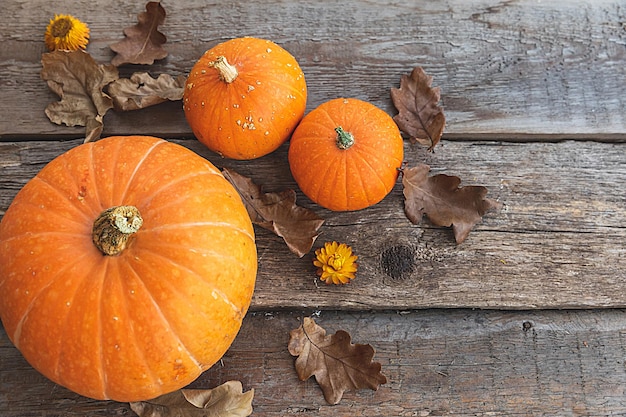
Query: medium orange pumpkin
345	154
168	297
244	97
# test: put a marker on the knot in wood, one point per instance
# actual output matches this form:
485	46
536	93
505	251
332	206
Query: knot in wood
398	261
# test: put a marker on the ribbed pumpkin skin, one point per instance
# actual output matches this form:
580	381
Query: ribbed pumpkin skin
346	179
254	114
149	320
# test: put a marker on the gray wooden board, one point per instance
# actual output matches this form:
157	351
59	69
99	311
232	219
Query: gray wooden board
558	242
512	69
437	362
518	78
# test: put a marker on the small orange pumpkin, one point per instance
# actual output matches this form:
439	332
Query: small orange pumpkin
244	97
126	268
345	154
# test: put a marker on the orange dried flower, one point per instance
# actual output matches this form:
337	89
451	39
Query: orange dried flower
335	263
65	32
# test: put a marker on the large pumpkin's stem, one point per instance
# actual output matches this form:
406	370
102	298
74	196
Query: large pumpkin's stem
114	227
344	139
228	72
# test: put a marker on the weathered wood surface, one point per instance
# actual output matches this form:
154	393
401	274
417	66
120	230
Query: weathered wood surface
507	69
450	363
557	243
517	77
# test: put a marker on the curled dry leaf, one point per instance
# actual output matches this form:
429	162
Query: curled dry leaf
336	363
143	43
141	90
79	81
443	202
227	400
419	115
278	213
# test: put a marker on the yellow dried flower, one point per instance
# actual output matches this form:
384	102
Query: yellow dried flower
335	263
67	33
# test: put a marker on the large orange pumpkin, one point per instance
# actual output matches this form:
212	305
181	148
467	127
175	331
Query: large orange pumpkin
244	97
345	154
139	302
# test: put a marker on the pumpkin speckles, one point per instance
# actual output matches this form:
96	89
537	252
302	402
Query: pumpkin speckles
248	123
254	95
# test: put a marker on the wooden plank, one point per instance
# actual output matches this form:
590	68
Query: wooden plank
557	243
516	76
437	362
507	70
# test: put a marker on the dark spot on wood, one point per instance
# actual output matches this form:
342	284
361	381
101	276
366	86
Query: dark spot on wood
398	261
527	325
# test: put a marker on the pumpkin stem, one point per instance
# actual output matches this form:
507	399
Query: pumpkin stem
228	72
344	139
114	227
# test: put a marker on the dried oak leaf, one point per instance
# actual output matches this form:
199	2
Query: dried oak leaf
336	363
443	202
143	43
141	90
227	400
79	81
278	213
419	115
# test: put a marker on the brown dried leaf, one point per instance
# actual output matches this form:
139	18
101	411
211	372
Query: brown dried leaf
440	198
141	90
419	115
143	43
336	363
227	400
278	213
78	80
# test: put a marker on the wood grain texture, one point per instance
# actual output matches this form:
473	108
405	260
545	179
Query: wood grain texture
557	242
522	319
507	69
438	363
